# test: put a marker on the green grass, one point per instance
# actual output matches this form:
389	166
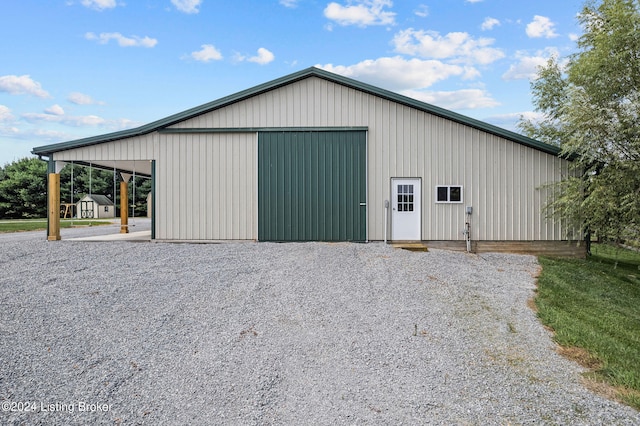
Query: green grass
594	304
21	225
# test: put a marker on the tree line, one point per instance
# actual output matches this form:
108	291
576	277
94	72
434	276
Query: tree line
23	188
590	107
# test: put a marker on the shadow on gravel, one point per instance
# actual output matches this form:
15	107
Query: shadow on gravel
309	333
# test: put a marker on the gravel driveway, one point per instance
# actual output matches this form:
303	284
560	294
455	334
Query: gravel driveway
245	333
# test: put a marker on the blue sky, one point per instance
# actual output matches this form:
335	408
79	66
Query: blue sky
76	68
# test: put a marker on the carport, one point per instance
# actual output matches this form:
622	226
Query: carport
125	168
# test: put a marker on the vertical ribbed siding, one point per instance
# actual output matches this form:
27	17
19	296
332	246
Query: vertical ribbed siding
205	184
502	180
310	186
208	187
142	148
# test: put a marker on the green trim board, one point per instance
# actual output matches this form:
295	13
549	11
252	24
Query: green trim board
162	124
261	129
153	199
51	166
312	186
108	169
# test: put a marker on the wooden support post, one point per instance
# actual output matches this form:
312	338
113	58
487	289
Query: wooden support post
124	208
54	207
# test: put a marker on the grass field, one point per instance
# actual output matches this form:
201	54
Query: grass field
593	306
21	225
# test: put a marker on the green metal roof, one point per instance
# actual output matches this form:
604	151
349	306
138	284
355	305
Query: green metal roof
283	81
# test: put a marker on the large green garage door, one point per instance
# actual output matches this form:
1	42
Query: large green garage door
312	186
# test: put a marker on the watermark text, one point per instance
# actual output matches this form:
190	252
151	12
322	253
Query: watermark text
54	407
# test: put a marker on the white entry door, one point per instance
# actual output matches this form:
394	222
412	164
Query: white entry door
405	209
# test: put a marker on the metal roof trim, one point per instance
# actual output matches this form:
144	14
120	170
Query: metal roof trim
283	81
441	112
102	200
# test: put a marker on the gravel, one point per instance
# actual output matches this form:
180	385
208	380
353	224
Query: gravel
308	333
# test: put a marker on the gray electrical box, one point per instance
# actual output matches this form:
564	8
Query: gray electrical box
469	209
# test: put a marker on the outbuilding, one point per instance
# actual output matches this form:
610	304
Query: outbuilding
93	206
314	156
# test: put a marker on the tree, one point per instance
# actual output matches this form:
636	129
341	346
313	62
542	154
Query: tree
590	107
92	180
143	187
23	189
86	180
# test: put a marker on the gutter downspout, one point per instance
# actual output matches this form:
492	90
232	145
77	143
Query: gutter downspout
386	224
467	228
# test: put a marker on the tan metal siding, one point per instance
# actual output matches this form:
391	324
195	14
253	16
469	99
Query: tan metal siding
500	178
136	148
205	183
208	187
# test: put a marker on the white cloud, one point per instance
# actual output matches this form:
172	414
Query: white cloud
473	1
456	46
541	26
9	131
52	135
122	124
510	121
187	6
99	4
527	66
133	41
456	100
289	3
361	13
398	73
82	99
489	23
76	121
422	11
574	37
31	134
55	110
531	116
55	115
263	57
207	53
20	85
5	114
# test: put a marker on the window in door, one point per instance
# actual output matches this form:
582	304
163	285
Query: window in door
405	198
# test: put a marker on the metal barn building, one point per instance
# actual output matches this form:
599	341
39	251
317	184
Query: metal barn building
315	156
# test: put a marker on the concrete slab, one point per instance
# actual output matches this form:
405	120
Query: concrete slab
410	245
132	236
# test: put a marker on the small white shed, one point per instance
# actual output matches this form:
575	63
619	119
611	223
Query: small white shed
95	207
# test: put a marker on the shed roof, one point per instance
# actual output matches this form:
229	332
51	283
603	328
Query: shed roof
102	200
47	150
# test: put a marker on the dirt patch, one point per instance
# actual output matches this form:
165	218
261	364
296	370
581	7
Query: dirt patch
581	356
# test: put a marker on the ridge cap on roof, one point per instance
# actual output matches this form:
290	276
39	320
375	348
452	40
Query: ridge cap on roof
312	71
439	111
98	198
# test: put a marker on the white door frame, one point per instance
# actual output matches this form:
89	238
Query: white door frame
406	209
85	212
